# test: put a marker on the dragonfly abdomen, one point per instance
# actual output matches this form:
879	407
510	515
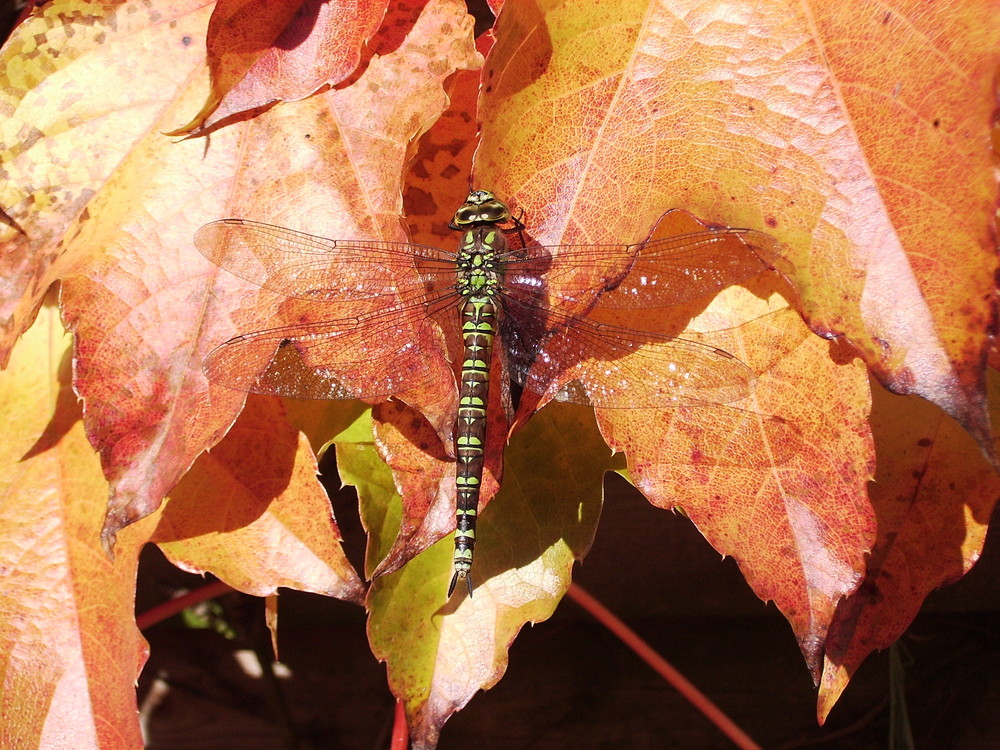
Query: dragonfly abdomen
478	284
478	332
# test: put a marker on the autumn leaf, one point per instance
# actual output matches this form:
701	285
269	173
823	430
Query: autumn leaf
709	113
258	531
260	53
933	504
881	193
71	650
136	367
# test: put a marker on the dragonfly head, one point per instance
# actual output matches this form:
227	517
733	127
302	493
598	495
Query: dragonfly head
481	207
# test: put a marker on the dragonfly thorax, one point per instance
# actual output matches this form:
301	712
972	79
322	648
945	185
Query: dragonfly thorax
478	268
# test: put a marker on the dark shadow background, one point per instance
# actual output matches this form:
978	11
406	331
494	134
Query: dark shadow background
571	684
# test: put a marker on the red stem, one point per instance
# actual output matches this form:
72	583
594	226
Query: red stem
169	608
400	731
645	652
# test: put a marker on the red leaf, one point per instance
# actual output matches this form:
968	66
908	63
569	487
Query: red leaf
933	504
263	52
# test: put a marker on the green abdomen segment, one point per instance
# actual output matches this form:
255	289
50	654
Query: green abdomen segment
478	331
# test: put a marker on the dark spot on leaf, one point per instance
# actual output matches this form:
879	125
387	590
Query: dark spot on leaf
186	40
885	18
924	442
771	221
284	343
419	202
308	136
937	123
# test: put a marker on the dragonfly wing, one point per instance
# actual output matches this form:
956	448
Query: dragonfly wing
672	267
681	268
370	357
567	278
303	266
611	367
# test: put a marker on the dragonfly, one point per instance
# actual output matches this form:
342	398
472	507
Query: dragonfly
541	304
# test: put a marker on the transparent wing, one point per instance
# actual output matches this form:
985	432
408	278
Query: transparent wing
578	360
368	357
303	266
547	292
658	273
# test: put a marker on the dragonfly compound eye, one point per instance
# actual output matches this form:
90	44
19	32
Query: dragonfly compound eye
481	206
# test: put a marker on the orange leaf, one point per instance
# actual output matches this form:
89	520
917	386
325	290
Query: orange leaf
593	124
876	176
251	512
80	93
131	255
778	481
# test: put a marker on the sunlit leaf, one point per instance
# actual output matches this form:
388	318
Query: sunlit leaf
261	52
251	513
873	177
440	653
71	652
801	124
